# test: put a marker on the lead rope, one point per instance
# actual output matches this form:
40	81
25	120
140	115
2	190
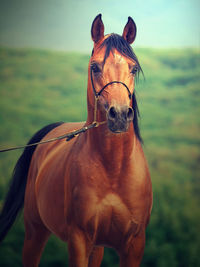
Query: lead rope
97	123
68	136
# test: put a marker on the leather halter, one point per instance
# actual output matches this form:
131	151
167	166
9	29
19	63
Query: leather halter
97	94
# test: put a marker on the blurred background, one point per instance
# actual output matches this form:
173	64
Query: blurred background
44	51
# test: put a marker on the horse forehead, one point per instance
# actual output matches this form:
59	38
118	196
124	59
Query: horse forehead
117	59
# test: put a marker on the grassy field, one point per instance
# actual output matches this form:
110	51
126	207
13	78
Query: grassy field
38	87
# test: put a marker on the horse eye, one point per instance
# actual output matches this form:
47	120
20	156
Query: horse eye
95	68
134	70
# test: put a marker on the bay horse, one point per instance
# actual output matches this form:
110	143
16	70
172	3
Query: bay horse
95	190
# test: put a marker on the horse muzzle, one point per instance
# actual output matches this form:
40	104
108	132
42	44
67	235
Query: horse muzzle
119	118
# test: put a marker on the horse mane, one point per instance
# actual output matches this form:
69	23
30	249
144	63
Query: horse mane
136	116
115	41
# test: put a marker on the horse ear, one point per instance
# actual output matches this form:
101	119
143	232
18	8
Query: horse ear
97	30
129	32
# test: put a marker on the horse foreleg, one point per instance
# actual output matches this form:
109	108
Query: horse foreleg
79	248
96	257
36	237
132	255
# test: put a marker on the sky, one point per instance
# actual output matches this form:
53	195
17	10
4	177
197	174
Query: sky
66	24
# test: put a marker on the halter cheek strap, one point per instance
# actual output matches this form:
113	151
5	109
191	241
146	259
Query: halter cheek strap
97	94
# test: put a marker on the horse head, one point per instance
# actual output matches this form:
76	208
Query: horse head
112	69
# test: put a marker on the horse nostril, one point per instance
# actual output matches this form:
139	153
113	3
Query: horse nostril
130	114
112	113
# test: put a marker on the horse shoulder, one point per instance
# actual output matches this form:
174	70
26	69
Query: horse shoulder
140	184
45	185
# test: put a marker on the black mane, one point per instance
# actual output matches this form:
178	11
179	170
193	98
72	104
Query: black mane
115	41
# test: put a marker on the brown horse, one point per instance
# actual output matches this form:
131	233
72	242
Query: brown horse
95	190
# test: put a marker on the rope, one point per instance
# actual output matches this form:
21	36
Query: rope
68	136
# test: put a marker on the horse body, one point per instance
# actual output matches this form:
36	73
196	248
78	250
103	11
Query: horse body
95	190
109	202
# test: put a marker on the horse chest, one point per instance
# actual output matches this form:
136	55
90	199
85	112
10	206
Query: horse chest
105	219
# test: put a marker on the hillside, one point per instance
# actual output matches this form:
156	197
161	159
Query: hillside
38	87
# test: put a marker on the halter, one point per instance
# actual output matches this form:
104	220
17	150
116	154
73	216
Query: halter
97	94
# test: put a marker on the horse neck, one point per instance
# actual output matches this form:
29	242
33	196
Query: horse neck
114	150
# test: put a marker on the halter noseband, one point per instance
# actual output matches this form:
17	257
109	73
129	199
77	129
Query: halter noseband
97	94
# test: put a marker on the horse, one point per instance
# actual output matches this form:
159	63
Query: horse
95	190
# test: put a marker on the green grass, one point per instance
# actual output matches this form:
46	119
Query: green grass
38	87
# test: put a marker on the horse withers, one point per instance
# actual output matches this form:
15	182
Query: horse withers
95	190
